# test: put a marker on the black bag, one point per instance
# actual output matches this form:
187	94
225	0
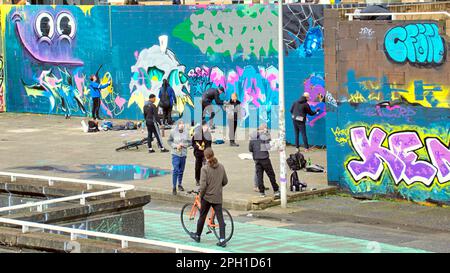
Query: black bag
296	161
164	101
295	183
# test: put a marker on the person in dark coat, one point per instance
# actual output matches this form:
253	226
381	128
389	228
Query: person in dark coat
299	110
259	146
213	179
201	140
167	99
152	121
212	94
233	113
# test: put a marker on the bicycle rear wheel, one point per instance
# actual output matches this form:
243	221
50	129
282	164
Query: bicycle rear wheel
189	218
229	225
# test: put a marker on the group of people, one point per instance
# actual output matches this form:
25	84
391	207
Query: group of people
210	175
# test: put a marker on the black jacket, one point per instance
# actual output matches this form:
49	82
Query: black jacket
259	145
210	95
301	108
201	139
151	114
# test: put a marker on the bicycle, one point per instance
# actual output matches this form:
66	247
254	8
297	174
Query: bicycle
191	212
132	144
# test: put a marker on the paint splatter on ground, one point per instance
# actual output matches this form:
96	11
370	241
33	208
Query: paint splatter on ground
252	237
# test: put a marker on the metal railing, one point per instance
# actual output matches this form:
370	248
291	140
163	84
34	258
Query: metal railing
117	188
395	14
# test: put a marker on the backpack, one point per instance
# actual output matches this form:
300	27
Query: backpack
296	161
296	184
164	101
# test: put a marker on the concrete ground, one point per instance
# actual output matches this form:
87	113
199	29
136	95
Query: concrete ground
48	143
332	224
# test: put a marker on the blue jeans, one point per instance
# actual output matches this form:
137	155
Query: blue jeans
178	163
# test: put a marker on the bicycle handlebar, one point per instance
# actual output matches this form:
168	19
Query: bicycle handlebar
193	191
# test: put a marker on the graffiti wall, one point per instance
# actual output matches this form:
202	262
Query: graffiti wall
388	130
304	67
52	51
2	69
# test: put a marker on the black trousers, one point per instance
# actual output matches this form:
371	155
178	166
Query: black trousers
232	125
153	129
199	159
265	165
300	127
205	206
209	108
167	115
96	108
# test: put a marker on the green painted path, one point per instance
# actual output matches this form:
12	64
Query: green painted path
252	237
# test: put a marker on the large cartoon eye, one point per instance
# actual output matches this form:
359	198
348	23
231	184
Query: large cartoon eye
45	26
65	25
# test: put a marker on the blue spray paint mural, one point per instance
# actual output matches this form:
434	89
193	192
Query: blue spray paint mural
53	51
418	44
304	67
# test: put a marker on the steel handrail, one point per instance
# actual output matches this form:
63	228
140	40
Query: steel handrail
122	238
393	14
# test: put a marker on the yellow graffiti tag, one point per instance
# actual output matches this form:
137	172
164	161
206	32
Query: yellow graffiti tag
356	98
340	135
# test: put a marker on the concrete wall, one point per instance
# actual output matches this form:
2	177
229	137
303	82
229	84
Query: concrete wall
388	117
234	46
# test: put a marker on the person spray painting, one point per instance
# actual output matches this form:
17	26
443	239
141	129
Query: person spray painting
210	95
95	90
179	141
299	110
166	101
152	122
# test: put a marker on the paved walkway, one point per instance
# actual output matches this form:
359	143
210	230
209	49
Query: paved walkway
51	145
261	236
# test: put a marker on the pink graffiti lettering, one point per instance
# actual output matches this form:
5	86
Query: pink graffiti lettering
440	156
400	157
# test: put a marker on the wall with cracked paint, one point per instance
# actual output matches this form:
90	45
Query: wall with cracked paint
387	116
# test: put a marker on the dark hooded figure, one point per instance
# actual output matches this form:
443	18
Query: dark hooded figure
299	110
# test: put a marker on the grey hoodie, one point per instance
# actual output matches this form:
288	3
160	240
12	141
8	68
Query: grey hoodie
176	137
259	145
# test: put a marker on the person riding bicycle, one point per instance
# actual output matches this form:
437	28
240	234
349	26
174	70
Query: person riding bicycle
212	179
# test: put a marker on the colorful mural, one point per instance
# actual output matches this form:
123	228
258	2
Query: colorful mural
304	66
389	134
53	51
59	48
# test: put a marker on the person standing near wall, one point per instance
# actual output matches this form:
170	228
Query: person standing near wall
259	146
212	94
179	142
201	140
95	89
233	112
166	101
152	122
299	110
213	179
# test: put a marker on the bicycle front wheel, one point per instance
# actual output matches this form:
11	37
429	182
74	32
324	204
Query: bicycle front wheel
189	218
229	225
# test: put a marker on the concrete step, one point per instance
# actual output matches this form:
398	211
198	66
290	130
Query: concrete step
242	204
